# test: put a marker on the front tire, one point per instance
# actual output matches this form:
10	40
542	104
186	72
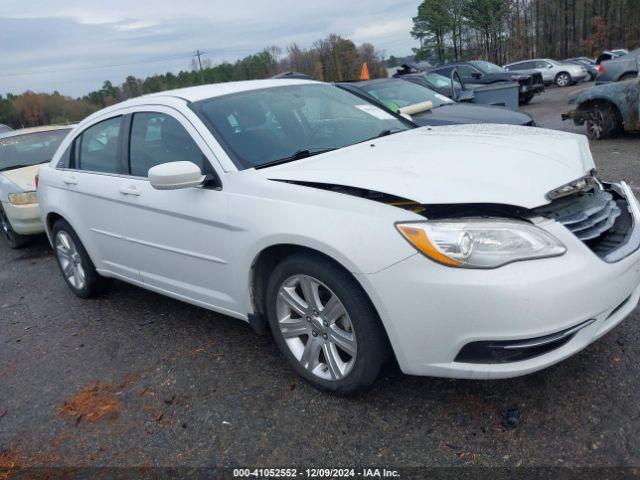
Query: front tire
602	122
325	325
76	267
12	239
563	79
526	98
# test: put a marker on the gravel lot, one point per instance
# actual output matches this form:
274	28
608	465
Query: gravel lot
137	379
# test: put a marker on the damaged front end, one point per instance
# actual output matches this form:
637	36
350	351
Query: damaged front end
604	216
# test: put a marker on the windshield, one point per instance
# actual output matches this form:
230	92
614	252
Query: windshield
30	148
397	94
487	67
258	127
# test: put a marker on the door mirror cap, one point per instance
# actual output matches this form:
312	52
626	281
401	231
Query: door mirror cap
175	175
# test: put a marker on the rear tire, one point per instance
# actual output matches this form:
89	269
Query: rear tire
12	239
602	122
563	79
75	265
335	341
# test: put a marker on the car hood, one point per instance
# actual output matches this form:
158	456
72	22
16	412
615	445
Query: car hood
456	113
498	164
24	177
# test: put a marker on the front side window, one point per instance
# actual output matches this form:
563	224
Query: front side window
467	71
521	66
96	149
30	149
157	138
259	127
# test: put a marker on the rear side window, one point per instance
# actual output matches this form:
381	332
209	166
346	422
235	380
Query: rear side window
96	150
157	138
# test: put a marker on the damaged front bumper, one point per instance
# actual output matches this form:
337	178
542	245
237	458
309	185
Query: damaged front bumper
509	321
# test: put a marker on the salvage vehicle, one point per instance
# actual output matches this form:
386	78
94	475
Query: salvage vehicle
619	69
562	74
607	109
429	108
589	64
21	153
503	94
466	251
487	73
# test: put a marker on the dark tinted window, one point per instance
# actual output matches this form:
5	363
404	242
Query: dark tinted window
96	149
157	138
467	70
522	66
30	148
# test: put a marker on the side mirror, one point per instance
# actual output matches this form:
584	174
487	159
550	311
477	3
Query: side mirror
175	175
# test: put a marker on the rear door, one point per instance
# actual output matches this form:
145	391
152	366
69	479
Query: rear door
94	182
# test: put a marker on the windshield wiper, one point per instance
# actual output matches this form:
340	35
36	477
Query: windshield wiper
297	155
385	133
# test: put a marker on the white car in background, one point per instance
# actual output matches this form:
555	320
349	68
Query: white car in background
21	154
562	74
467	251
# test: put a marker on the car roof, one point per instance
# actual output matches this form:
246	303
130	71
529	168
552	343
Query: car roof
24	131
202	92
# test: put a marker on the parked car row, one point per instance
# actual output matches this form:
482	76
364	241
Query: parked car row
324	214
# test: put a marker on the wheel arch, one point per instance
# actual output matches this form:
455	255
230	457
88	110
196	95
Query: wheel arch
592	103
627	73
266	260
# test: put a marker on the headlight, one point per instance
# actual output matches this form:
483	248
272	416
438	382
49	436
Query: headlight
23	198
478	243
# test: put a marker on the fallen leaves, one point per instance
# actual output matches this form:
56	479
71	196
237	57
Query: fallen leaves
93	403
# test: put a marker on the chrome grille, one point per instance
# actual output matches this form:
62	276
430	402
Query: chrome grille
599	215
596	217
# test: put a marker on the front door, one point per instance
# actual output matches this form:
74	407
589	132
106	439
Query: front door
180	237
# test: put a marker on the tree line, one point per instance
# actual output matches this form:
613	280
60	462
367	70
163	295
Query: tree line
330	59
509	30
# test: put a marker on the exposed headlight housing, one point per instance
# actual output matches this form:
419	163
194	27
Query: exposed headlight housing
23	198
480	243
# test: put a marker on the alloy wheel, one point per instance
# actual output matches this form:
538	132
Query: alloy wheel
595	124
316	327
563	80
70	260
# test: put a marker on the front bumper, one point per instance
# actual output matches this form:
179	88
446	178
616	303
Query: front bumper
431	311
24	219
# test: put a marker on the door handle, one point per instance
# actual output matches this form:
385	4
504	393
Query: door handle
70	181
130	190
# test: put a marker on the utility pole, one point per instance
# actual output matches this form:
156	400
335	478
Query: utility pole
198	53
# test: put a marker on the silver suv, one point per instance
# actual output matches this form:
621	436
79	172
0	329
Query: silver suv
562	74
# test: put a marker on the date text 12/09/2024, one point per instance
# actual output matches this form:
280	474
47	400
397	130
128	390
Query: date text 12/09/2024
315	473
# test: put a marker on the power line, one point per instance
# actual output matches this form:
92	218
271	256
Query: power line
95	67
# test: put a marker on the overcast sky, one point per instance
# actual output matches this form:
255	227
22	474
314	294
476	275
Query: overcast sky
73	46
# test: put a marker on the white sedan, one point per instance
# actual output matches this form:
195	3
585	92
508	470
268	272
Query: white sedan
21	153
467	251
